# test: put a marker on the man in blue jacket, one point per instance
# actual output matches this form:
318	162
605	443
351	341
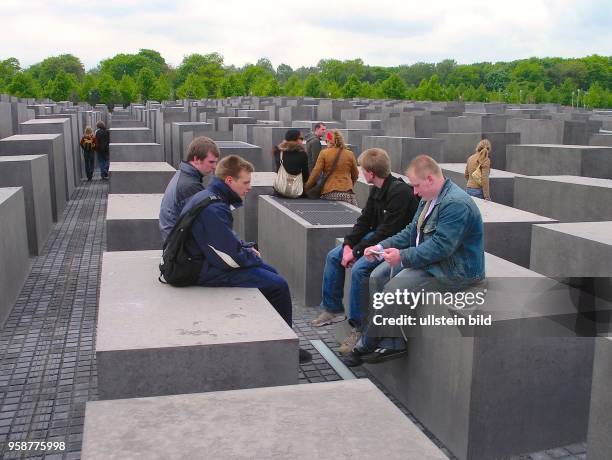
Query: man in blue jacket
201	160
229	261
443	245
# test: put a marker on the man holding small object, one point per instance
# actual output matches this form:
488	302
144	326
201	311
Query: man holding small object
444	242
390	207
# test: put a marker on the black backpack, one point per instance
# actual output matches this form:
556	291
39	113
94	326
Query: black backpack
178	268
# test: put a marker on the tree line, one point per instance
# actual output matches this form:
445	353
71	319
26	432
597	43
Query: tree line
126	78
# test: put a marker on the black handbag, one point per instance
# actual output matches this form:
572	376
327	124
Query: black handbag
314	192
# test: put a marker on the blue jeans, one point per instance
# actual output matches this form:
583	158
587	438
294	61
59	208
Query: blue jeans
477	192
103	162
333	286
89	164
265	277
387	279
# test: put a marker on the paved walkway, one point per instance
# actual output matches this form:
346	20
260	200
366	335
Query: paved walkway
47	358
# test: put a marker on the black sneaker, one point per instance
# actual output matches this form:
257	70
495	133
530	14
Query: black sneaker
305	356
352	359
380	355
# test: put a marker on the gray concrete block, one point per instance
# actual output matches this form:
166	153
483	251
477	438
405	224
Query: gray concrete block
182	135
246	218
538	131
56	126
131	135
244	132
363	124
549	160
140	177
312	418
303	112
330	109
76	132
564	198
494	397
14	252
507	230
402	150
263	161
501	183
599	440
355	137
136	152
310	228
308	125
6	119
31	172
132	222
459	146
154	339
227	123
52	146
601	139
257	114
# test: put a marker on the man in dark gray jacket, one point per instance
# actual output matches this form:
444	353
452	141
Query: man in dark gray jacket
201	160
313	144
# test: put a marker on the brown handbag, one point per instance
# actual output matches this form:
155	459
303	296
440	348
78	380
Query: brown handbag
314	192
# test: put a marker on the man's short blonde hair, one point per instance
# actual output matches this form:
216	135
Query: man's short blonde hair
423	165
377	161
232	165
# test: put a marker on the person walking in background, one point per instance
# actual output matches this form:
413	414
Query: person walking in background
477	170
88	144
292	155
102	148
313	144
341	173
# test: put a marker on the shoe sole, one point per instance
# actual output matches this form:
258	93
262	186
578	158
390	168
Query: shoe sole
382	358
331	321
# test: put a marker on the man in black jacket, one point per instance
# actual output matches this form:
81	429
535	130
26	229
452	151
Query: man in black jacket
313	144
390	208
201	160
102	136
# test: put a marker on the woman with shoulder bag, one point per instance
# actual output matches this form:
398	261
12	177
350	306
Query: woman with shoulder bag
477	170
335	172
291	165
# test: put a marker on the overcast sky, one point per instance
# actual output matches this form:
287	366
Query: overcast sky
381	32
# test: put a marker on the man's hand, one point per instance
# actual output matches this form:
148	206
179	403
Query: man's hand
256	252
392	257
347	256
369	253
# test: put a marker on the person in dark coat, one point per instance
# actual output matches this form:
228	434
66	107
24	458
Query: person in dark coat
295	160
102	148
88	144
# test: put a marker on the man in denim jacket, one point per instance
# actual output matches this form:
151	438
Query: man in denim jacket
443	244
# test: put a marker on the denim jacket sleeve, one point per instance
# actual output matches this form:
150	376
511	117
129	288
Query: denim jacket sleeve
405	238
447	236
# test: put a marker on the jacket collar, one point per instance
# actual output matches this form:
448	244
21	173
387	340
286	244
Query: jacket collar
291	145
379	193
219	188
188	168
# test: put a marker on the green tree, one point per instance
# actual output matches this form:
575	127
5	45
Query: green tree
265	64
49	68
211	64
61	87
312	86
540	94
8	69
24	85
107	87
145	83
351	88
162	89
293	87
283	72
193	88
530	72
444	68
127	90
231	86
394	87
596	96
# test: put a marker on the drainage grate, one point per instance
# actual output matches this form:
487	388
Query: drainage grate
321	212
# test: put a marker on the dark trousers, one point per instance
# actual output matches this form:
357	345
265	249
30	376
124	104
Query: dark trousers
273	286
89	164
103	162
